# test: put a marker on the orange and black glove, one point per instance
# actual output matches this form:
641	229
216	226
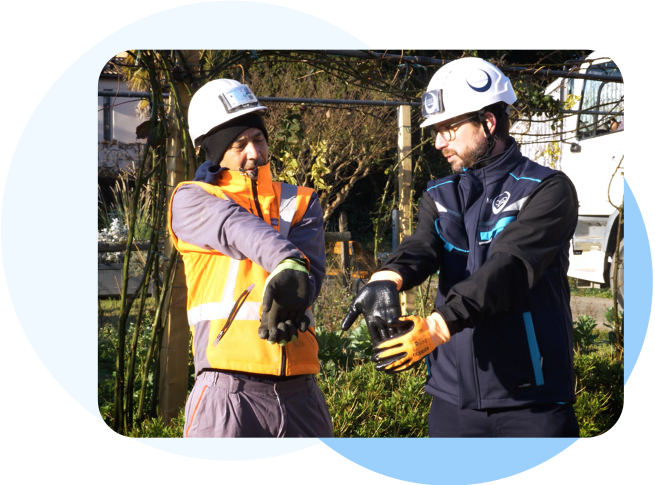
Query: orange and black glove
406	350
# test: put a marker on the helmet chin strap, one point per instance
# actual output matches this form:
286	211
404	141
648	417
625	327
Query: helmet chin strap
491	143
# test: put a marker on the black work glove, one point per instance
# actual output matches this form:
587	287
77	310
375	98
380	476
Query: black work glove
379	302
286	298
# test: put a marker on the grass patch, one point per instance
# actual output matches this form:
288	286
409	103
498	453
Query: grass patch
593	292
109	310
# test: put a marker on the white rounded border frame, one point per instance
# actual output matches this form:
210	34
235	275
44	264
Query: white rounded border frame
68	337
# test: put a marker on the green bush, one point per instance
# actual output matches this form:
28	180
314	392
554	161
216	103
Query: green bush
599	392
584	333
339	351
366	403
155	428
609	316
334	298
108	312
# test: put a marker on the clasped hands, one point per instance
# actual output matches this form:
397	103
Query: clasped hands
399	342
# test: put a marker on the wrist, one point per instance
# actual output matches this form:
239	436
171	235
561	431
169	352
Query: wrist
291	263
388	276
437	328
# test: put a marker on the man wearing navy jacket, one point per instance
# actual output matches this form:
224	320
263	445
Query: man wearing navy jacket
499	342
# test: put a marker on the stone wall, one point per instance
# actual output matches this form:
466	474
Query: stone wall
114	156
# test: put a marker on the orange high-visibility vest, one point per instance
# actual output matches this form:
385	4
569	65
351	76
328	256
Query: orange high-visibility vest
215	281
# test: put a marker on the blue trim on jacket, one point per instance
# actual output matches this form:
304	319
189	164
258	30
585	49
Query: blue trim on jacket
519	356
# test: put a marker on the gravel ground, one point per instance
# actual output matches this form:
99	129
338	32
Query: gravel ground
588	305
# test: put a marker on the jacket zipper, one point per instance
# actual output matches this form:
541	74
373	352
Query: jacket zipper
253	185
284	361
255	197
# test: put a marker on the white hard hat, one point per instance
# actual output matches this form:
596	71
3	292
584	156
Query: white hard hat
218	102
464	86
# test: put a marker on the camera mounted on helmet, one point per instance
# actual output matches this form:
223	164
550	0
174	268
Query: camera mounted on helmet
238	98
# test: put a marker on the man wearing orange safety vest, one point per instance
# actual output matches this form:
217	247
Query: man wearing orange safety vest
254	259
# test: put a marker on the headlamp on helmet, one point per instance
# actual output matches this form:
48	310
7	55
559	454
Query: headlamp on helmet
432	102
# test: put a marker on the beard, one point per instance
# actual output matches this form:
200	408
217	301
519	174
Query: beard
251	167
468	156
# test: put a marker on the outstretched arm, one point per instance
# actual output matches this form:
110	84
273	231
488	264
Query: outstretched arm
291	288
416	258
209	222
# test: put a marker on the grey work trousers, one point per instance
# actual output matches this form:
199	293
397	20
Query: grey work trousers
223	405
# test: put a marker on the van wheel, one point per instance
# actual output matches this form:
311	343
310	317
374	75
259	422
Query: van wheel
619	276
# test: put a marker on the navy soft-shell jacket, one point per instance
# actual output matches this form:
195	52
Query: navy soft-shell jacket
499	237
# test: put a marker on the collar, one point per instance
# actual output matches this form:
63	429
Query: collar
233	181
496	167
486	160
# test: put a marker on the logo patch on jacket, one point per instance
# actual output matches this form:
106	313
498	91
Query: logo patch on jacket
275	222
500	202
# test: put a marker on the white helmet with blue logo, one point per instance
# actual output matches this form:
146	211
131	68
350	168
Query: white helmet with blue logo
464	86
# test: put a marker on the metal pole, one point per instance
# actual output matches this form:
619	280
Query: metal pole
353	102
394	229
429	61
266	99
127	94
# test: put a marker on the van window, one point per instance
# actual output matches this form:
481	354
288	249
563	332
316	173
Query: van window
604	102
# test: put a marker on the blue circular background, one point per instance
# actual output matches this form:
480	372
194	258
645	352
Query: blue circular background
59	319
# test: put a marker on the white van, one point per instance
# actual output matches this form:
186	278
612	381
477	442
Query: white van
587	143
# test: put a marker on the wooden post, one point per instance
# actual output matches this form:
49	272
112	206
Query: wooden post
404	190
330	237
345	248
174	364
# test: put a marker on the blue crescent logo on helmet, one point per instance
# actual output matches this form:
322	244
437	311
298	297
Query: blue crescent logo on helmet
484	88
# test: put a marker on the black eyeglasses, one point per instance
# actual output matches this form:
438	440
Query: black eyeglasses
448	131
